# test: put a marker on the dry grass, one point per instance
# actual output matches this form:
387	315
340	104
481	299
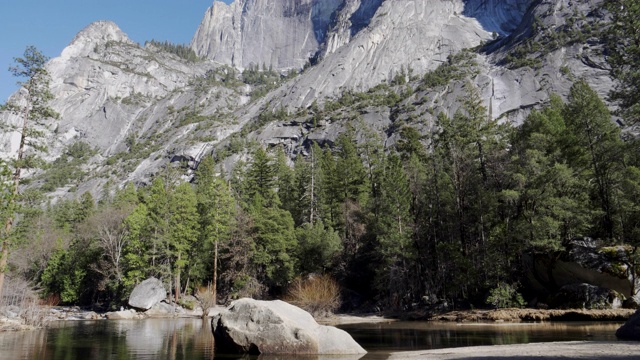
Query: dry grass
20	299
317	294
205	296
516	315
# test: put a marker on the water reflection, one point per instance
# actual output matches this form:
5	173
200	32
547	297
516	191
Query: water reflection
175	339
381	339
147	339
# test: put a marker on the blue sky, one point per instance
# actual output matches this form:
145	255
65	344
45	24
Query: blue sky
51	24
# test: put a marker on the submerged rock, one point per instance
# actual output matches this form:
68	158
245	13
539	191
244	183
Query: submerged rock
148	293
121	315
276	327
631	329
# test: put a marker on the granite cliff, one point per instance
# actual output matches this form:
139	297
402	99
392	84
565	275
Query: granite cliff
141	107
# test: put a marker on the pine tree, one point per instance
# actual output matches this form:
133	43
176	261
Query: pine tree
183	230
623	47
261	178
156	200
274	244
594	148
33	107
395	230
318	246
137	251
216	209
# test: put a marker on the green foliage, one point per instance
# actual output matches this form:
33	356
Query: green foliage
67	168
457	67
318	247
7	200
623	50
183	227
183	51
505	296
32	107
594	147
274	244
261	178
263	81
577	28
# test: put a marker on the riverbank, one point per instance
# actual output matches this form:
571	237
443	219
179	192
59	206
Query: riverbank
49	314
555	350
529	315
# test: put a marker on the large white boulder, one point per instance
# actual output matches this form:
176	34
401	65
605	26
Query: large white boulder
148	293
276	327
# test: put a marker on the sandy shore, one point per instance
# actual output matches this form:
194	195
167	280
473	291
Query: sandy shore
555	350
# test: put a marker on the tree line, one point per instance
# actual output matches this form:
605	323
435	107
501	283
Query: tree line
446	215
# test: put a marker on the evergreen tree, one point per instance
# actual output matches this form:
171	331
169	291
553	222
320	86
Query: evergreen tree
33	107
318	246
157	202
138	250
395	231
623	47
261	177
183	230
287	192
547	202
216	209
594	149
274	244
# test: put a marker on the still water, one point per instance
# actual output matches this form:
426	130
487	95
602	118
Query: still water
192	338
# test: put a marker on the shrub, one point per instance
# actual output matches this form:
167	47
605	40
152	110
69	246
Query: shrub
205	295
317	294
505	296
20	297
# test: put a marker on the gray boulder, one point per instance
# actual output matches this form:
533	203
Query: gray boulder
583	261
121	315
631	329
275	327
585	296
148	293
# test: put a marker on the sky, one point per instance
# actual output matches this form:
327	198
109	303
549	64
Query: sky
50	25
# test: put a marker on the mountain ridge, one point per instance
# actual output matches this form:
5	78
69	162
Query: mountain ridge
111	91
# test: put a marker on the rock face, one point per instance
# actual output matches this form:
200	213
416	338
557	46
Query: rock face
142	107
583	261
147	294
631	329
585	296
275	327
280	34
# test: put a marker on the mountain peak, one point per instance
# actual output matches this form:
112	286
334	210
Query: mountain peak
96	33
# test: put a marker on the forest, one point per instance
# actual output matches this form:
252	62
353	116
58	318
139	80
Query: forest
446	217
443	217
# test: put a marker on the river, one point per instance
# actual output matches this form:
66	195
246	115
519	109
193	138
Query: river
174	339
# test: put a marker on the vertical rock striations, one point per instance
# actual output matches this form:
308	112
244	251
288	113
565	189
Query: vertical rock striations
282	34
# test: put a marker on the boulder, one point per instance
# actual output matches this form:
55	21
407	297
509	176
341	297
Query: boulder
121	315
582	261
585	296
276	327
147	293
631	329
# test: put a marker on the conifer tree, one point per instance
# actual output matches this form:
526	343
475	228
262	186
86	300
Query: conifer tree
624	55
216	209
261	177
594	148
32	106
183	230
